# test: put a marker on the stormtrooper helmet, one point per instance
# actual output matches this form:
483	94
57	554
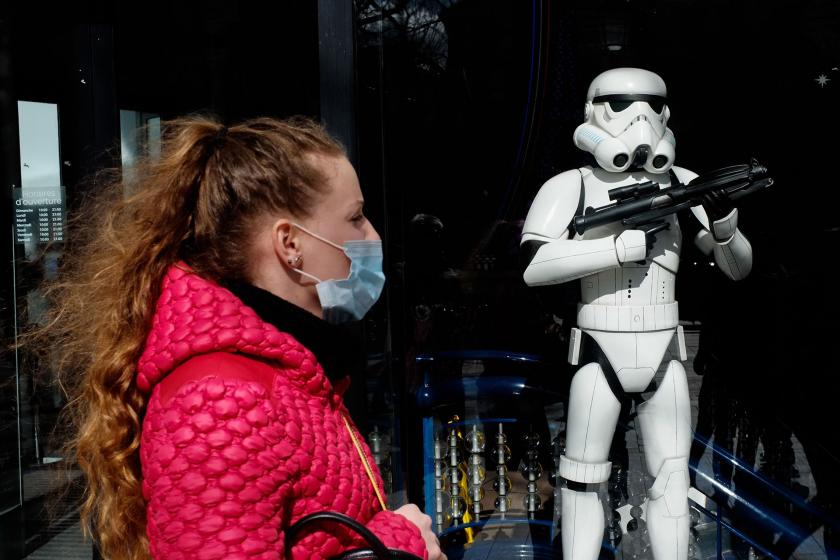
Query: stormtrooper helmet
625	120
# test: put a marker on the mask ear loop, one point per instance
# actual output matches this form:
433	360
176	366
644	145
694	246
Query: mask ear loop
318	237
293	264
310	276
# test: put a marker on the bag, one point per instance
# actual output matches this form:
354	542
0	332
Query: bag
377	550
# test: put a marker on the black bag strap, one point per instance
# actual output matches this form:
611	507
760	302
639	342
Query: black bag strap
377	549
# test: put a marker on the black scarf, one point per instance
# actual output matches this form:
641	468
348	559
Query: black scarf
339	349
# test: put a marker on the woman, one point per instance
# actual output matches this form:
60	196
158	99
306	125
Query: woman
208	405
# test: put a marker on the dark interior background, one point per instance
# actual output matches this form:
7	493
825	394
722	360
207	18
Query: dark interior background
463	109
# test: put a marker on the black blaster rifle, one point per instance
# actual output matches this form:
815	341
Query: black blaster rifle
643	205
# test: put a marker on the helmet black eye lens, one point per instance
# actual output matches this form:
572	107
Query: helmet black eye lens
657	105
621	102
619	106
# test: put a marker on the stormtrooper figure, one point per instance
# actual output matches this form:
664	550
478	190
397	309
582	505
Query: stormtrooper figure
628	309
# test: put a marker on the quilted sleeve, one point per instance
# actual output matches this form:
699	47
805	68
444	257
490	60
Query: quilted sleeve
395	531
215	478
220	465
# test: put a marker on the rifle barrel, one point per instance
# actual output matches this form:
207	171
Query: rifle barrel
630	201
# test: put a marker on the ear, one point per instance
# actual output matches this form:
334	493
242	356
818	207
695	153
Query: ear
285	240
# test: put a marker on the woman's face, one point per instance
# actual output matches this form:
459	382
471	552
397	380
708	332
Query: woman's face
338	217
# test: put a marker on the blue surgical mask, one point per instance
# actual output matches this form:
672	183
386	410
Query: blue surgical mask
350	298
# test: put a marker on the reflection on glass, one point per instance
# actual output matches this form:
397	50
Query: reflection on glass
39	203
139	137
418	23
40	164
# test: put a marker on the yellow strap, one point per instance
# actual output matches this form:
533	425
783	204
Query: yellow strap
364	462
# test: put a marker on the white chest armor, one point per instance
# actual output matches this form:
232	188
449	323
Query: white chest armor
635	296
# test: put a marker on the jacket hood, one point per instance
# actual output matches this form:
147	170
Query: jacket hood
196	316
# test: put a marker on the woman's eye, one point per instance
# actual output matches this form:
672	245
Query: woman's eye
358	218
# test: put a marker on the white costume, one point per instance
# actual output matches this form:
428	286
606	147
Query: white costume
628	308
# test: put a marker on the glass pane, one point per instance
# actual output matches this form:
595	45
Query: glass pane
40	224
466	109
490	425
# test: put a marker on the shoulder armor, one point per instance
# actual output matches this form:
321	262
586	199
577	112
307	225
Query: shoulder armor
684	175
554	206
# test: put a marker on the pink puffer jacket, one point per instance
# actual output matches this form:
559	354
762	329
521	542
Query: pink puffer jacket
244	435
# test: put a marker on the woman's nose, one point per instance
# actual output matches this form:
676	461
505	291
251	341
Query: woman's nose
371	234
